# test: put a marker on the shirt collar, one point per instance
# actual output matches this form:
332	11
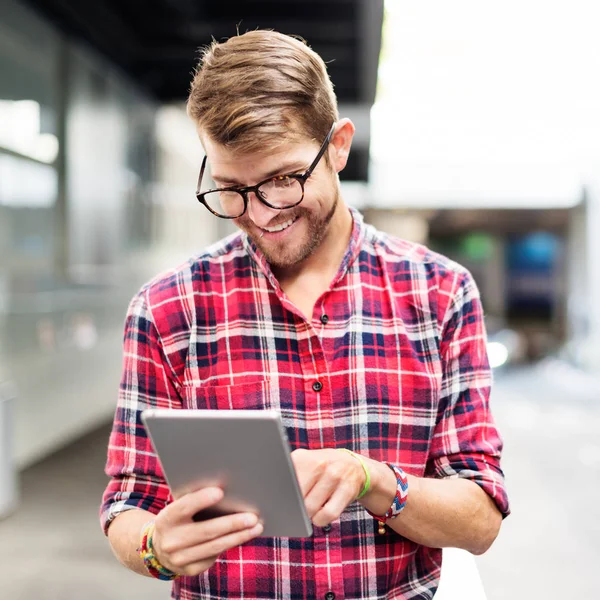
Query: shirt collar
356	240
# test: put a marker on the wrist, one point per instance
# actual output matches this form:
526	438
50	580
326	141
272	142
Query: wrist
147	553
364	476
389	493
383	487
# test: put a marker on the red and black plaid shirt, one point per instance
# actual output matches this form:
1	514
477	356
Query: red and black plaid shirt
398	344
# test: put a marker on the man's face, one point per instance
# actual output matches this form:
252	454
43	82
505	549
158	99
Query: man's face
289	236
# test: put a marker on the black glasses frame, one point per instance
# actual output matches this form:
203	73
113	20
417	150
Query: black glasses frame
244	191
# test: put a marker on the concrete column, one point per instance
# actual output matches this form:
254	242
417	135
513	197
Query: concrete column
593	273
583	279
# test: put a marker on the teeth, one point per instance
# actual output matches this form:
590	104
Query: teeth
279	227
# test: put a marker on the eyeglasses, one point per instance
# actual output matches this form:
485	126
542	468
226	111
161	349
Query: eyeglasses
280	192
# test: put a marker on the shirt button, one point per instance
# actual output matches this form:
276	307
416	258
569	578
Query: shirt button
327	528
317	386
324	319
329	596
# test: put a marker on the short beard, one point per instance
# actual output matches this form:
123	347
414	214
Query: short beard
283	257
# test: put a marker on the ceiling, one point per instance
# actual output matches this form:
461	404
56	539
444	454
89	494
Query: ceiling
156	42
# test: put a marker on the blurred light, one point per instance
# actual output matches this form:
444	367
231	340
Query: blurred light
497	354
46	148
26	184
20	125
538	250
84	331
478	246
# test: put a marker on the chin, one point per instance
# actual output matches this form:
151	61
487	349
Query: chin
285	259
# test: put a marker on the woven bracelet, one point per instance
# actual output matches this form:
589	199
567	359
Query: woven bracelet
399	499
146	552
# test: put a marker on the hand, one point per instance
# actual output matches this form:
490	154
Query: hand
187	547
330	480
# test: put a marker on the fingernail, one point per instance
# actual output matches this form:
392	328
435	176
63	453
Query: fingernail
250	520
216	494
258	529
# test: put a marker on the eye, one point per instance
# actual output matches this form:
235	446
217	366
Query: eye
283	181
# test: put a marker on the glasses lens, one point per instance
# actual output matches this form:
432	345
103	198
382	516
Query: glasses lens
281	192
225	204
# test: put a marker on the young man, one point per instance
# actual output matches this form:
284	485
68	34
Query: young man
362	341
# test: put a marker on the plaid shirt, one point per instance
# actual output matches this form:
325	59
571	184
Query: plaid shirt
398	344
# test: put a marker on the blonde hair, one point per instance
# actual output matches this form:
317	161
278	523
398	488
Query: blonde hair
257	90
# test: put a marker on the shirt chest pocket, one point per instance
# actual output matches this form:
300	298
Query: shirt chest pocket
243	396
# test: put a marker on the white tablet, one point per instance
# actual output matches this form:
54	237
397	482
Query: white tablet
245	452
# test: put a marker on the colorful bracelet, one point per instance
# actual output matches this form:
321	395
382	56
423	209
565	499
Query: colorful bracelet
399	499
146	552
367	485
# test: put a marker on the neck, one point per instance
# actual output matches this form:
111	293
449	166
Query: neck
325	261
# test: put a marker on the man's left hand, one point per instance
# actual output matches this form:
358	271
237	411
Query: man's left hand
330	480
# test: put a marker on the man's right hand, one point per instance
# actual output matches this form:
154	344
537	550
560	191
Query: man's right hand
189	548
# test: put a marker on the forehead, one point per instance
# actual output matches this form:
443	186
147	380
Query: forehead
231	163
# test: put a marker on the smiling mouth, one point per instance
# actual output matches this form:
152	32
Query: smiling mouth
279	227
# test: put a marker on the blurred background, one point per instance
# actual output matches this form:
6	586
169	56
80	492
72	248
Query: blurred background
478	134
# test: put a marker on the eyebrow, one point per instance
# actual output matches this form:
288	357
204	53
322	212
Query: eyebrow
285	169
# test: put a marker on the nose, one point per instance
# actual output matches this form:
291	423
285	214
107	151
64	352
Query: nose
260	214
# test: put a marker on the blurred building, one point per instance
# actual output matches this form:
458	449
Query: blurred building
487	148
478	134
98	164
98	167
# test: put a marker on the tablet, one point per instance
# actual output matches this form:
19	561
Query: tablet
245	452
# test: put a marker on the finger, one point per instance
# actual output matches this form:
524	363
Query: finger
195	568
320	494
184	508
308	472
194	534
187	559
308	481
184	537
335	506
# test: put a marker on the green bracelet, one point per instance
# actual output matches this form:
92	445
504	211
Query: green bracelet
367	485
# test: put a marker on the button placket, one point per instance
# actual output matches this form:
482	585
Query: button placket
321	434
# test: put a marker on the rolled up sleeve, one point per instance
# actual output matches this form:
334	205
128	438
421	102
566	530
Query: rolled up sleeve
136	479
466	442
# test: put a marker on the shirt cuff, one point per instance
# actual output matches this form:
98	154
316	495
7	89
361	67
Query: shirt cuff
482	470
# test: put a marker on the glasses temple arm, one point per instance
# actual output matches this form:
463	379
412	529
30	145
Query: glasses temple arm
200	176
321	152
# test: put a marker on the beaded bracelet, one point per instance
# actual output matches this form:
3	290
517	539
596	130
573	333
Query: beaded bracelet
399	499
146	552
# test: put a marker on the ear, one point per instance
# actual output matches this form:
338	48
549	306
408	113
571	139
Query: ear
341	140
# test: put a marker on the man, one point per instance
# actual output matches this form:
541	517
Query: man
362	341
